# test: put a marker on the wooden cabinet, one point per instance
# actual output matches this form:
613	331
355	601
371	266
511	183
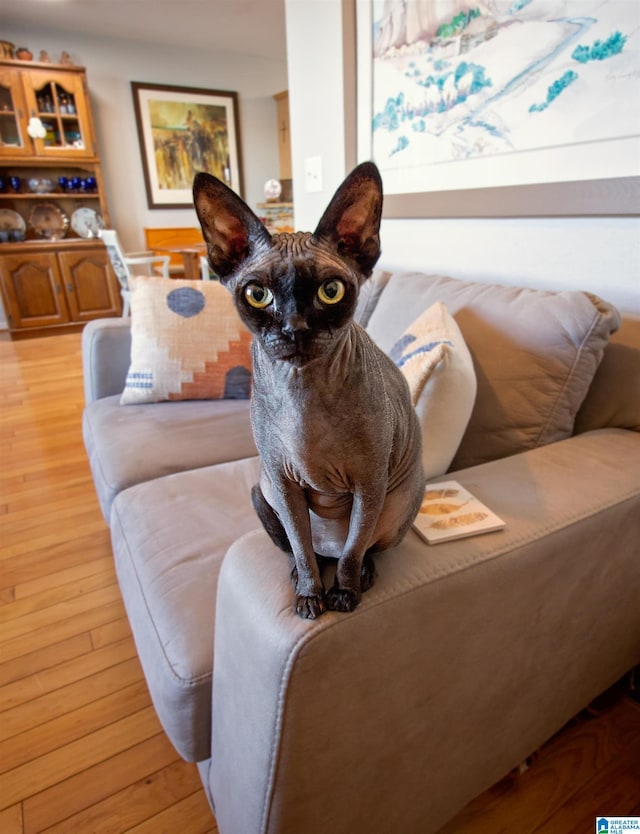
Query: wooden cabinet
46	286
50	277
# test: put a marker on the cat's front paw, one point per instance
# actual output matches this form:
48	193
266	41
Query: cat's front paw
310	607
340	599
367	574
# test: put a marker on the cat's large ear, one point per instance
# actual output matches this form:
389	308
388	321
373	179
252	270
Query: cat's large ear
231	230
351	223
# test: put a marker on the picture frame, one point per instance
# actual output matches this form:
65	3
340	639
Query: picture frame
611	188
183	130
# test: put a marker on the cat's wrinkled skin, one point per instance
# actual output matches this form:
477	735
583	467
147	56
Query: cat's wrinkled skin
331	414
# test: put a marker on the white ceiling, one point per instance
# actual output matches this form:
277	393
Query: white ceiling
253	27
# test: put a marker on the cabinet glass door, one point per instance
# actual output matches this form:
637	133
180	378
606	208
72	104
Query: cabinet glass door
12	112
57	112
58	101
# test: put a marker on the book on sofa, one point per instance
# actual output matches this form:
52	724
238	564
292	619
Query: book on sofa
449	511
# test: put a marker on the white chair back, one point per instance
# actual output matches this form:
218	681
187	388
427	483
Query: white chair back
121	263
206	273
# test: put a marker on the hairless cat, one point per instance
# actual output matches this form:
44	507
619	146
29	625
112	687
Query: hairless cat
339	441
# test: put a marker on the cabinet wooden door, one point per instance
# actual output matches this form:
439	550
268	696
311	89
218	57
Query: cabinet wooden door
33	291
59	100
89	284
14	140
284	135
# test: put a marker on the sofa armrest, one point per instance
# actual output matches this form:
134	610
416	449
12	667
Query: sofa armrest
106	355
461	660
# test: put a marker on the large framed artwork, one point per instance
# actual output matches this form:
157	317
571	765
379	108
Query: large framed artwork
497	107
183	130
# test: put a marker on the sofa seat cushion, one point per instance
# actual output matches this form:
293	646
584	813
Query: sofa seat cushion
169	539
535	354
137	443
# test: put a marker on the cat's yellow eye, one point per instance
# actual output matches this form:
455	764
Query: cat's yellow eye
331	291
258	296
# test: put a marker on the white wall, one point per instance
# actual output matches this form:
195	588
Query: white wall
111	66
601	255
316	105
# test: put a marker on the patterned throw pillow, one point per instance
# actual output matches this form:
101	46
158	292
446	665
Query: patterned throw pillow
436	363
187	343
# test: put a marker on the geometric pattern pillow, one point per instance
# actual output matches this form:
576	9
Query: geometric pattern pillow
438	367
187	343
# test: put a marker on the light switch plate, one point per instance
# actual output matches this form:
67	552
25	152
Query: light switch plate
313	174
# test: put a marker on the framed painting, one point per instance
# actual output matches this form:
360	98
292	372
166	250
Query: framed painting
496	108
184	130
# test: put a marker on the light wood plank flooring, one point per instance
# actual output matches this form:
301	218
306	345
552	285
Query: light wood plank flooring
81	750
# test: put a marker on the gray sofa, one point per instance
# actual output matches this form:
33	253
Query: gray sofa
464	657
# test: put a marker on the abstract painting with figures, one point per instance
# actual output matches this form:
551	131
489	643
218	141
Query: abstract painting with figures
182	131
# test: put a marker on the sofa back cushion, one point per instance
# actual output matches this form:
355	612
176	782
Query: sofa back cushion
613	400
535	354
369	295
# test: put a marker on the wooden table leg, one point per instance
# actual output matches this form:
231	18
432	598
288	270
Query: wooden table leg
191	258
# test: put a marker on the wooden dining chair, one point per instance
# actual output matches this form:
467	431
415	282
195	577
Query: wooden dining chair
173	237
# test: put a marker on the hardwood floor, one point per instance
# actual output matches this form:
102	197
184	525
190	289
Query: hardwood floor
591	768
81	750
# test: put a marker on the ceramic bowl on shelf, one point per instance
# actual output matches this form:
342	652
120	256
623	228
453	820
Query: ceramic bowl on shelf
41	185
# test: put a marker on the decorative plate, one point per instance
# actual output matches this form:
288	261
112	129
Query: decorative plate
86	222
11	221
48	220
